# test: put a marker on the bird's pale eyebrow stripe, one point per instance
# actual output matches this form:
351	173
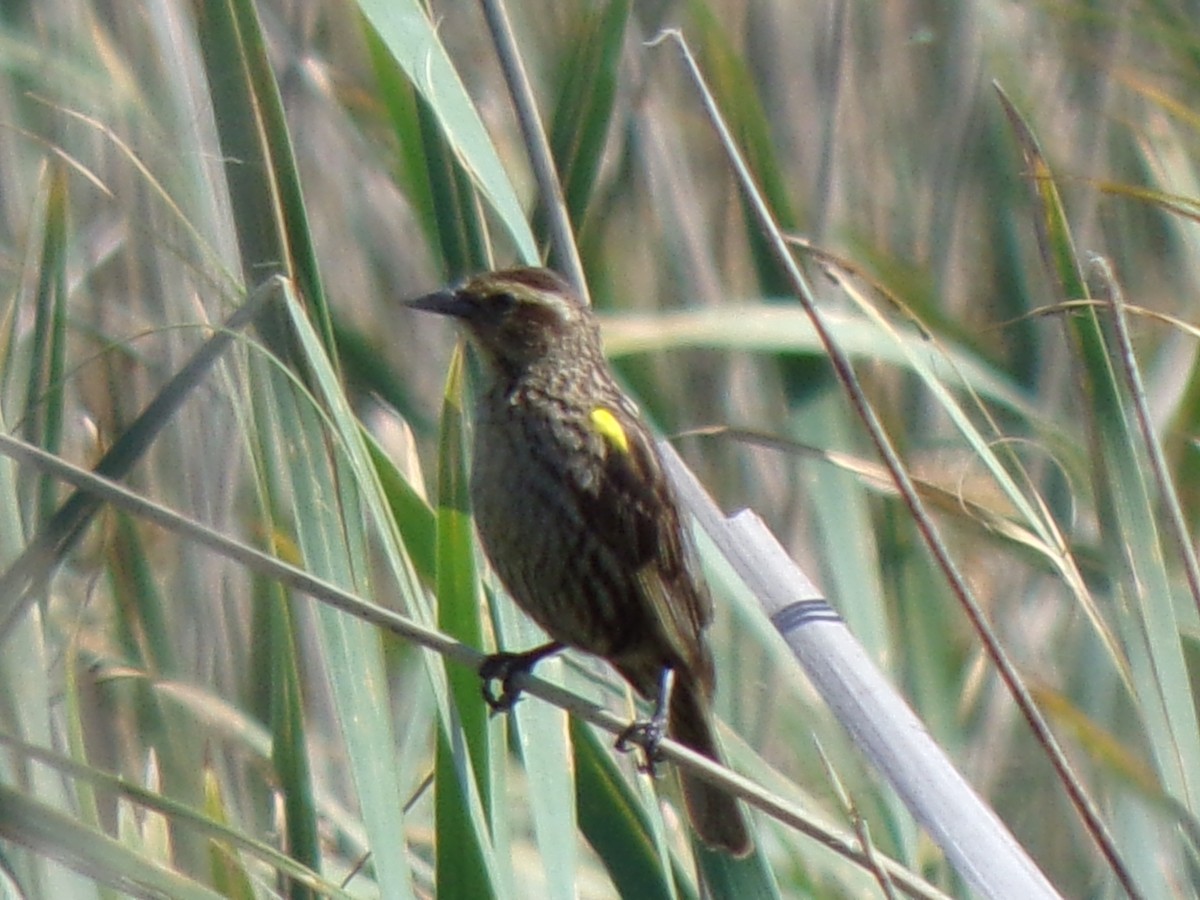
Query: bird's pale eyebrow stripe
609	428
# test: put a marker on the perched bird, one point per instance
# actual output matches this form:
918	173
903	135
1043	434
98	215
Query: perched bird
579	521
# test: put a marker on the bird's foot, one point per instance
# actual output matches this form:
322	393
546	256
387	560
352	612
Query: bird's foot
647	734
506	668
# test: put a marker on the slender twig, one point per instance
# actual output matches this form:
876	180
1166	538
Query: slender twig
1110	290
300	581
904	484
861	828
566	254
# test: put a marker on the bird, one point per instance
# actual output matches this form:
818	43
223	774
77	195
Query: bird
580	524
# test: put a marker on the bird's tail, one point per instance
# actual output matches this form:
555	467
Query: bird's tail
716	816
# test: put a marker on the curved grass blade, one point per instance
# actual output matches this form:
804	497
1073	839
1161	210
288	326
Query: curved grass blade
617	827
20	583
583	112
435	182
47	831
1127	515
44	397
410	37
264	187
460	868
176	812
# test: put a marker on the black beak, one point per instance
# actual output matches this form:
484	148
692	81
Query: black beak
445	302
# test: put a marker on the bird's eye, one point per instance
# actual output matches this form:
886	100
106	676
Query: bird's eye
502	303
493	307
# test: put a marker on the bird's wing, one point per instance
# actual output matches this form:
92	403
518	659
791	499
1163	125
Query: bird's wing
636	514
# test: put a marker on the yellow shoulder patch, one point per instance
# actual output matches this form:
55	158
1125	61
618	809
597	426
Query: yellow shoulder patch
609	428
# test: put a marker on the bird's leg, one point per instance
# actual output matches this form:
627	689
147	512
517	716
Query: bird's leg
505	668
649	734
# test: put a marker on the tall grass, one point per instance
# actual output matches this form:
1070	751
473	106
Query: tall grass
191	721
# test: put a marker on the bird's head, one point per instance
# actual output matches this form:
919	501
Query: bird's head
517	317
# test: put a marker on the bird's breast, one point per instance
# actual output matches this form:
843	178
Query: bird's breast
534	482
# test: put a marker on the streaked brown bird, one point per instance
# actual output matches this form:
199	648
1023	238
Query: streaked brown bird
579	522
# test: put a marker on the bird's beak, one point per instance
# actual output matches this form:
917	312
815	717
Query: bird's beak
444	302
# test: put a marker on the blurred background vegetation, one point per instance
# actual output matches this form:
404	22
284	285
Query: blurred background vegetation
160	160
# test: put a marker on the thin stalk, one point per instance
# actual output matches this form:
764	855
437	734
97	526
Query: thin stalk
908	492
566	254
1111	291
296	579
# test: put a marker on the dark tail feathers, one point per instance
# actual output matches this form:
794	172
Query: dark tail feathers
715	815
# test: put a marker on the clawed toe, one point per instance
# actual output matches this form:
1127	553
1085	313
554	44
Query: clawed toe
647	735
503	668
506	668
